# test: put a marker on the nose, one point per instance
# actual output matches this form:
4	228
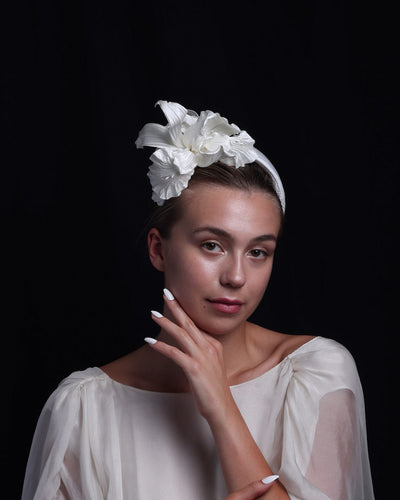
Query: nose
233	274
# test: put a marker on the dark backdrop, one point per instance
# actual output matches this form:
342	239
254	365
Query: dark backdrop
313	82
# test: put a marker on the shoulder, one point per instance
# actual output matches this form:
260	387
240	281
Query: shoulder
80	396
325	363
70	389
63	433
321	350
84	378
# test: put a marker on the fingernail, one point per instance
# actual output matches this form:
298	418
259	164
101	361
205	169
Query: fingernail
269	479
156	314
168	294
150	340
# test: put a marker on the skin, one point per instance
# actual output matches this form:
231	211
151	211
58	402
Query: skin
221	248
251	492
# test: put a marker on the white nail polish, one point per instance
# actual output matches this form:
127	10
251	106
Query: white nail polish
156	314
150	340
168	294
269	479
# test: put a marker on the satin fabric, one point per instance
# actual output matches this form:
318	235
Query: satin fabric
99	439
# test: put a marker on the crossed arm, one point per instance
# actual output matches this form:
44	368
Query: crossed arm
201	358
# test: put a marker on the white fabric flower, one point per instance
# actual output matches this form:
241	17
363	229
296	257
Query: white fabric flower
189	141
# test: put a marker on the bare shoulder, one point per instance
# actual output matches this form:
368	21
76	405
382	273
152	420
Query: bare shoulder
290	343
123	370
142	369
273	346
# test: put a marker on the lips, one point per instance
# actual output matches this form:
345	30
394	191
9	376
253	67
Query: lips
229	306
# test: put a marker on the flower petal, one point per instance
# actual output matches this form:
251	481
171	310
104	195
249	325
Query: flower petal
175	114
185	161
166	183
193	134
214	122
174	161
173	111
213	143
241	149
154	135
205	160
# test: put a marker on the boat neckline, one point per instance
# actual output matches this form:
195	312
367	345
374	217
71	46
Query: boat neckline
246	382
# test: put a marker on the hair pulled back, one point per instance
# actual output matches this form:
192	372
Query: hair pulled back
248	178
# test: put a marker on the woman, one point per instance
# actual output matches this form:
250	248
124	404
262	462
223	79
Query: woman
215	402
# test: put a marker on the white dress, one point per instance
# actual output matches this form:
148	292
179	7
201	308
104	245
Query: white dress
100	439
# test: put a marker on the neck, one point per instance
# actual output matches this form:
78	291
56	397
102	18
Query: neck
237	358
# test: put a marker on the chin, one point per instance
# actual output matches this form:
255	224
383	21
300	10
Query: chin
220	327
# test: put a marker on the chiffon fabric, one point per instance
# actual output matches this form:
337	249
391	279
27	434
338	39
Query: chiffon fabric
99	439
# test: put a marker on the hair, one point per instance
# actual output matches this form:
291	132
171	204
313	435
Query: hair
250	177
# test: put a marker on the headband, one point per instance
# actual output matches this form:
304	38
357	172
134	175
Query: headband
189	141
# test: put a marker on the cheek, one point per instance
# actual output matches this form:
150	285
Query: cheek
186	274
260	281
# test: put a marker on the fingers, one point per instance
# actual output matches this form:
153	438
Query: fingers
171	352
182	319
180	326
253	490
183	338
191	343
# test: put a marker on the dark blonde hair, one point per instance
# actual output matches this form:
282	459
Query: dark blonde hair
250	177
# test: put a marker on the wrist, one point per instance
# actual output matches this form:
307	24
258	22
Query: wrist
226	417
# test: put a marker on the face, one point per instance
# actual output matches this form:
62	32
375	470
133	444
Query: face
218	258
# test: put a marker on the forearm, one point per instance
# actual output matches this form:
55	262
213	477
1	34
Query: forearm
241	460
201	358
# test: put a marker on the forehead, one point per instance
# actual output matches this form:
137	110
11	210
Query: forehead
252	212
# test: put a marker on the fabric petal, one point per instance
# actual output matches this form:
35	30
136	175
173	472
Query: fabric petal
173	161
170	173
241	149
167	185
185	161
173	111
214	143
154	135
193	135
214	122
205	160
175	114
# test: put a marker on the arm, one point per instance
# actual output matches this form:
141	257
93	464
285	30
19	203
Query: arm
253	490
201	358
62	462
325	454
240	457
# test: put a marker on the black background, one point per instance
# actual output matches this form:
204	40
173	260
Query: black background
314	83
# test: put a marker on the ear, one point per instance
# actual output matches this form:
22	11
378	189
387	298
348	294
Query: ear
155	246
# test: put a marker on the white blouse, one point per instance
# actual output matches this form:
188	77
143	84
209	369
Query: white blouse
99	439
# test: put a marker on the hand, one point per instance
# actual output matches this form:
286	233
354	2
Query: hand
253	490
201	358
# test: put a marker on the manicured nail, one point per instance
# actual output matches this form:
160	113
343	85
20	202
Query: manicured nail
150	340
269	479
168	294
156	314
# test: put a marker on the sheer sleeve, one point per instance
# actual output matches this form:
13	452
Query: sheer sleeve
67	461
325	453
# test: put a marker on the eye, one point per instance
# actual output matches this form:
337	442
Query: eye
211	246
258	253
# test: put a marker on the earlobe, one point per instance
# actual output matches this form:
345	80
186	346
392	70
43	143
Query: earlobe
155	247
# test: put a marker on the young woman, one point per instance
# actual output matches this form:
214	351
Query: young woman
214	403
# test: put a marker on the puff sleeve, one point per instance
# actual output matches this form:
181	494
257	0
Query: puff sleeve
324	450
67	459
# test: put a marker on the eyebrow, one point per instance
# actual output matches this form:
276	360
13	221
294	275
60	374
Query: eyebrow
224	234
